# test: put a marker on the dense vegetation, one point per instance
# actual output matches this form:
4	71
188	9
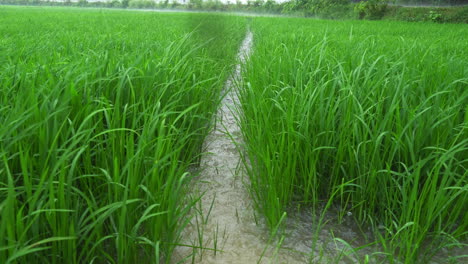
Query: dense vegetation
367	117
102	114
440	11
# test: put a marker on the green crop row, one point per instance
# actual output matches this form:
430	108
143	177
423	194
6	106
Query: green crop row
371	118
102	115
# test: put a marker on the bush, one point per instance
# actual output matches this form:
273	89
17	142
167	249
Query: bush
114	3
435	16
439	15
82	2
457	15
214	5
320	8
337	12
272	7
195	4
141	4
371	9
410	14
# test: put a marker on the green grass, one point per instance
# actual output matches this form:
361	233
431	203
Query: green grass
103	113
370	116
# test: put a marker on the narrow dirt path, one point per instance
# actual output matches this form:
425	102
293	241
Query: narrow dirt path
226	206
224	229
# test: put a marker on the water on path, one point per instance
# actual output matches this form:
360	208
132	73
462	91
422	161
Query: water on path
226	218
224	225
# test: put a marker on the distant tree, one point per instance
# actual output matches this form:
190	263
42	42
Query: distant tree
258	3
316	7
175	4
432	2
197	4
113	3
371	9
213	5
270	5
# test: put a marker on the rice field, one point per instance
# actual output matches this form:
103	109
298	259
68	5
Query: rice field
105	113
366	119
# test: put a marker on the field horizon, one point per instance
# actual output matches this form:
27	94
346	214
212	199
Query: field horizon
197	137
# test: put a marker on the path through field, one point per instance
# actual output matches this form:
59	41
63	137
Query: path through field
226	220
230	225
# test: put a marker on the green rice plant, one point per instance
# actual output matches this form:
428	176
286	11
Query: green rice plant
377	106
103	113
